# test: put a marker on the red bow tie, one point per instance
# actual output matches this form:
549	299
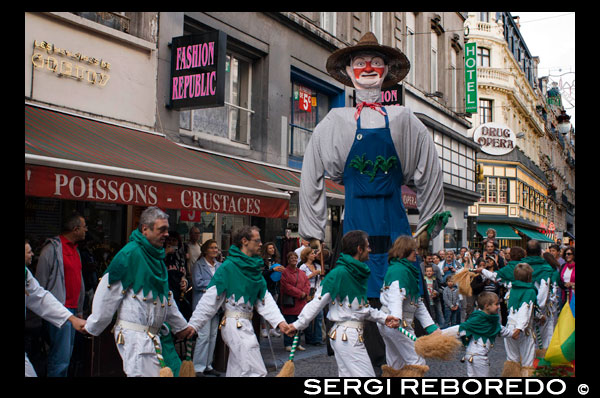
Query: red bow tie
373	105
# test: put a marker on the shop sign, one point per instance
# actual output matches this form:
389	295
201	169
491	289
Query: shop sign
471	77
198	71
68	184
66	63
495	138
551	227
305	101
392	96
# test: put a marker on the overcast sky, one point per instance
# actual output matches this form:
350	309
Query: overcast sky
551	36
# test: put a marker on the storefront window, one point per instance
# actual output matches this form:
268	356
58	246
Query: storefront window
309	107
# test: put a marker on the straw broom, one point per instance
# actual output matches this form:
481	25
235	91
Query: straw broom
437	345
288	367
187	366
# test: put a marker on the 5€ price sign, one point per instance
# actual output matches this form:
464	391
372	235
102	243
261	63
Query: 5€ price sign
305	101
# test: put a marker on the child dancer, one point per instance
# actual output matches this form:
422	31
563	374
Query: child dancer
479	332
522	303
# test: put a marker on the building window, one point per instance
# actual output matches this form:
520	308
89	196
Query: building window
485	111
492	190
457	161
434	62
232	121
484	16
410	45
503	191
309	107
481	189
377	25
453	77
483	57
328	22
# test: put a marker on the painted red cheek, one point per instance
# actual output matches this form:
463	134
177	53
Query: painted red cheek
368	69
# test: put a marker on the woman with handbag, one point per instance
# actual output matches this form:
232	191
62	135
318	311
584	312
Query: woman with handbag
294	288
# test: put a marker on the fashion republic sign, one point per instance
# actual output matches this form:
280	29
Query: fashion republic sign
68	184
495	138
198	71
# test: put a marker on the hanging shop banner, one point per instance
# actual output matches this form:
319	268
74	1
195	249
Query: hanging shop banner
471	77
198	71
50	182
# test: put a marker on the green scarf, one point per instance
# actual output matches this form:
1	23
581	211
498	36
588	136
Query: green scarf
541	269
140	265
521	292
240	276
347	279
480	325
406	274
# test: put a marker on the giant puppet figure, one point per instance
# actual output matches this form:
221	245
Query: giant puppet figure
372	150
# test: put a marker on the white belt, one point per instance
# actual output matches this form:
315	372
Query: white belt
136	326
350	324
237	314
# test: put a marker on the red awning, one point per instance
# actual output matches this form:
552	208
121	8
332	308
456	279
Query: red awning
71	157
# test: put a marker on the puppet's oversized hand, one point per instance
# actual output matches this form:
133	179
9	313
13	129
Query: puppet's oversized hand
423	243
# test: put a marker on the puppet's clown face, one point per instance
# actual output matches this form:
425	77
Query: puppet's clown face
367	71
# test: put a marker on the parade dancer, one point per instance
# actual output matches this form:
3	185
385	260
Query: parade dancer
544	279
238	287
372	150
344	289
479	332
400	297
135	286
522	305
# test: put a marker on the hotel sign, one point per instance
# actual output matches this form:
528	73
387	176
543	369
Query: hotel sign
198	71
495	138
471	77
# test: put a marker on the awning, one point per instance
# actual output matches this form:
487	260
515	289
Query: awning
535	235
570	235
275	176
503	231
72	157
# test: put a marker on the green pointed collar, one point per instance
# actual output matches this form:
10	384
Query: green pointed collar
481	325
406	274
240	276
140	265
347	280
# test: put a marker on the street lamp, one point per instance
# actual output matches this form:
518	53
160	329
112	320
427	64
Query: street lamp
564	125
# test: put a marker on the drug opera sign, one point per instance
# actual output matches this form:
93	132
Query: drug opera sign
198	71
495	138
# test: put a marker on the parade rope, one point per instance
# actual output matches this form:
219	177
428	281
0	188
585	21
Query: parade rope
288	368
165	371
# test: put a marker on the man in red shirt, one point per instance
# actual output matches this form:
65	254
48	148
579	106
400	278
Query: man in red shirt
59	271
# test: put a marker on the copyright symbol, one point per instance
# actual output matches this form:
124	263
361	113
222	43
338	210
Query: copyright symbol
583	389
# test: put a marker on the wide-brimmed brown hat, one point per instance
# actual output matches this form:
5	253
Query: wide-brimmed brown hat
398	64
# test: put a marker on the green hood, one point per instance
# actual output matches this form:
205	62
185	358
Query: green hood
522	292
406	274
347	279
240	276
541	269
481	325
140	265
